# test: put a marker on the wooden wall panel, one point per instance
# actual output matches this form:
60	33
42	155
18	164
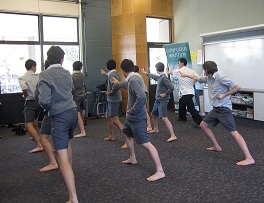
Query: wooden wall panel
143	6
116	7
159	7
128	6
129	44
140	23
141	43
128	23
117	25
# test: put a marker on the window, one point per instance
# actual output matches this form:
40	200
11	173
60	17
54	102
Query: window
158	34
30	36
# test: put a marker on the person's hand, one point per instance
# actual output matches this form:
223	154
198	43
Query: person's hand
168	71
103	72
107	93
115	81
162	94
142	70
221	96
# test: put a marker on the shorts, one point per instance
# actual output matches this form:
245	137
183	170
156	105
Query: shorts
31	111
80	102
62	128
223	115
137	130
160	108
113	108
45	128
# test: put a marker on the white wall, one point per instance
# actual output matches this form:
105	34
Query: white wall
40	7
194	17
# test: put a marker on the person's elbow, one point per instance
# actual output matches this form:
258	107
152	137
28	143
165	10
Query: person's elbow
238	87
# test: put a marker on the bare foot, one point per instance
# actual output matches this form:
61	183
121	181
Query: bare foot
124	146
129	161
214	149
49	168
109	138
31	138
246	162
37	149
172	138
80	135
156	176
153	131
149	129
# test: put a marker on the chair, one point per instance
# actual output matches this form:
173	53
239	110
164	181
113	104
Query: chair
100	105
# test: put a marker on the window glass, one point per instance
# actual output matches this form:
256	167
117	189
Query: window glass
71	55
158	30
58	29
16	27
12	65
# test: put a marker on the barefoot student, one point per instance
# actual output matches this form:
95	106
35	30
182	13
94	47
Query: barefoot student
28	83
163	91
136	120
114	98
79	94
220	89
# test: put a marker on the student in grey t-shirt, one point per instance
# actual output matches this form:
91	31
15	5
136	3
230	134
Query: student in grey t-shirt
163	91
220	88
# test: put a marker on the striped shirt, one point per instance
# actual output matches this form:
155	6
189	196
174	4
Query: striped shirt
186	84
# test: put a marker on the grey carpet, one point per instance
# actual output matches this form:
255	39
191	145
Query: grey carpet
193	174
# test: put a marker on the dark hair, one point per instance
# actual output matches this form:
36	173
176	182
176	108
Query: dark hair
160	67
30	63
210	67
46	65
77	65
183	60
111	64
55	55
127	66
136	69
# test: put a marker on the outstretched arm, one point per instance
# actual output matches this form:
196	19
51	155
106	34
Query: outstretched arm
192	76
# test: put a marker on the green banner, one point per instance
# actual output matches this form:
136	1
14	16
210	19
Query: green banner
174	52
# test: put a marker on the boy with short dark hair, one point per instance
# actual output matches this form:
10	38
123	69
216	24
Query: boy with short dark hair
135	124
55	96
114	100
163	91
79	94
32	109
220	88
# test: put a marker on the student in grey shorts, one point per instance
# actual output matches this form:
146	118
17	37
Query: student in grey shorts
55	96
45	131
79	94
114	100
32	109
163	91
135	124
220	88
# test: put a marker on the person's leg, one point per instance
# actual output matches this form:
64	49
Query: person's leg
130	144
170	128
120	126
49	151
182	110
35	135
67	174
211	137
149	128
191	108
243	146
110	128
155	121
155	157
81	126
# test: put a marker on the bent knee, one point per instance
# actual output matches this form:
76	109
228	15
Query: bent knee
203	125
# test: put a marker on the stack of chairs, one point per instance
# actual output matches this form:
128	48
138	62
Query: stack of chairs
100	105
